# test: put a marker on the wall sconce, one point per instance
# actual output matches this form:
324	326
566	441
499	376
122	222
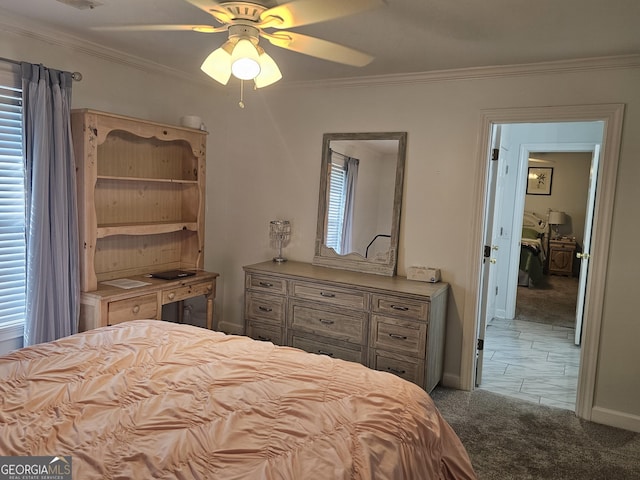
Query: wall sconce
555	219
280	233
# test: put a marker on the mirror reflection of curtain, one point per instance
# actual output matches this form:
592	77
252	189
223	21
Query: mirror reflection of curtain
351	179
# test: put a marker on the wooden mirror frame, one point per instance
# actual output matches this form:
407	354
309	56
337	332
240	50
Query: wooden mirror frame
327	257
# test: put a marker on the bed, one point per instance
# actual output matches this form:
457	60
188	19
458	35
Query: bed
152	399
532	253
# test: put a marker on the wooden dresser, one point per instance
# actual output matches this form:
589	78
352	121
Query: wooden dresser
386	323
141	194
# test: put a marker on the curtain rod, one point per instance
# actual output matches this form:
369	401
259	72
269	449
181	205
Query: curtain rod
77	76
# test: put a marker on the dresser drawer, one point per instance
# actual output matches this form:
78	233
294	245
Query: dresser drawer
266	283
331	295
410	369
263	307
265	333
401	307
403	336
324	348
187	291
136	308
333	323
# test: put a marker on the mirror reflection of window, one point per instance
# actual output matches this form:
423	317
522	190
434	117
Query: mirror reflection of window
343	177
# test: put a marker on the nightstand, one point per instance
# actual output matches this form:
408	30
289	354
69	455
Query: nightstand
561	253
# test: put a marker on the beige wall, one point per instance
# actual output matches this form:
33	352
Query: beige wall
264	163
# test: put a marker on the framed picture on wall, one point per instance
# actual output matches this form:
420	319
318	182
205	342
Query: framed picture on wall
539	181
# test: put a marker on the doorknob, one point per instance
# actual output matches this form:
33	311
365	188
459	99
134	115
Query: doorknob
584	256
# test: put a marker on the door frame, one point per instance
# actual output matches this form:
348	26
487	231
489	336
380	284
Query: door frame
612	116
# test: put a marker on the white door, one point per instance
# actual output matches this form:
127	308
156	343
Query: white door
487	278
586	248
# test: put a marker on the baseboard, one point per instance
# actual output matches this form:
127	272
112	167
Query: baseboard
451	381
617	419
231	328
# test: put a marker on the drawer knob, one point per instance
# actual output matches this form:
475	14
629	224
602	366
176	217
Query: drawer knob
265	309
136	309
397	337
322	352
400	307
266	284
327	294
171	296
325	321
396	371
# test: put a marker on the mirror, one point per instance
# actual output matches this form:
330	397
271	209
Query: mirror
360	200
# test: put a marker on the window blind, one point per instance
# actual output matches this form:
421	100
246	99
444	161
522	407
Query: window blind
12	213
335	214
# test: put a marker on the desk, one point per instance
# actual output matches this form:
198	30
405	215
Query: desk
109	305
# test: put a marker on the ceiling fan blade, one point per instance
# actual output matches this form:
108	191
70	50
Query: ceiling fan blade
162	28
305	12
212	8
317	47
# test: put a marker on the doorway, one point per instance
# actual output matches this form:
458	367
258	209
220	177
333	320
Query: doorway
529	351
611	116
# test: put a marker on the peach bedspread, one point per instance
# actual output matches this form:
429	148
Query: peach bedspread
151	399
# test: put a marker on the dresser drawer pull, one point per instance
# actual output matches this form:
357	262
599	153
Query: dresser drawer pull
400	307
264	339
328	295
135	309
266	284
326	322
397	337
396	371
322	352
265	309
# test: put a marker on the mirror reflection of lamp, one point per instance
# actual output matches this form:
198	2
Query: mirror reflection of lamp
556	218
280	232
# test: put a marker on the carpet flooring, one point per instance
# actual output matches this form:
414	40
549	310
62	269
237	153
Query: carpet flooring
509	438
553	302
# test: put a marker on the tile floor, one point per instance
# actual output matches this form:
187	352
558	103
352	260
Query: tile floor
531	361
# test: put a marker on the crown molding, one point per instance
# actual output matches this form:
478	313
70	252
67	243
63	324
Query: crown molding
22	27
39	31
475	73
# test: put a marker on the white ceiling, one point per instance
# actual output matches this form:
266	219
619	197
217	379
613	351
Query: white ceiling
404	36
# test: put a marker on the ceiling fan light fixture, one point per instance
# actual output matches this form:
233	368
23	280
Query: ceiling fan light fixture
245	62
218	65
269	71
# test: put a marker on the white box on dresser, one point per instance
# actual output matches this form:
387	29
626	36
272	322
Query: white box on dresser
386	323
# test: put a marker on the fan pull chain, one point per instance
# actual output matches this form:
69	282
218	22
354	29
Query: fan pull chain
241	103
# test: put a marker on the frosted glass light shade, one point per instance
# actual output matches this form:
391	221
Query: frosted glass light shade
218	65
269	71
245	63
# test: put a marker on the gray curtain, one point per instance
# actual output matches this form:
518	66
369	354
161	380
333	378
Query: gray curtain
51	223
351	169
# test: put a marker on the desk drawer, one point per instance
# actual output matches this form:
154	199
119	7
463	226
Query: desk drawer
136	308
265	308
187	291
331	295
265	283
331	350
349	326
401	307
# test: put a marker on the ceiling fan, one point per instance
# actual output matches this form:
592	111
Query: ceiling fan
246	22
